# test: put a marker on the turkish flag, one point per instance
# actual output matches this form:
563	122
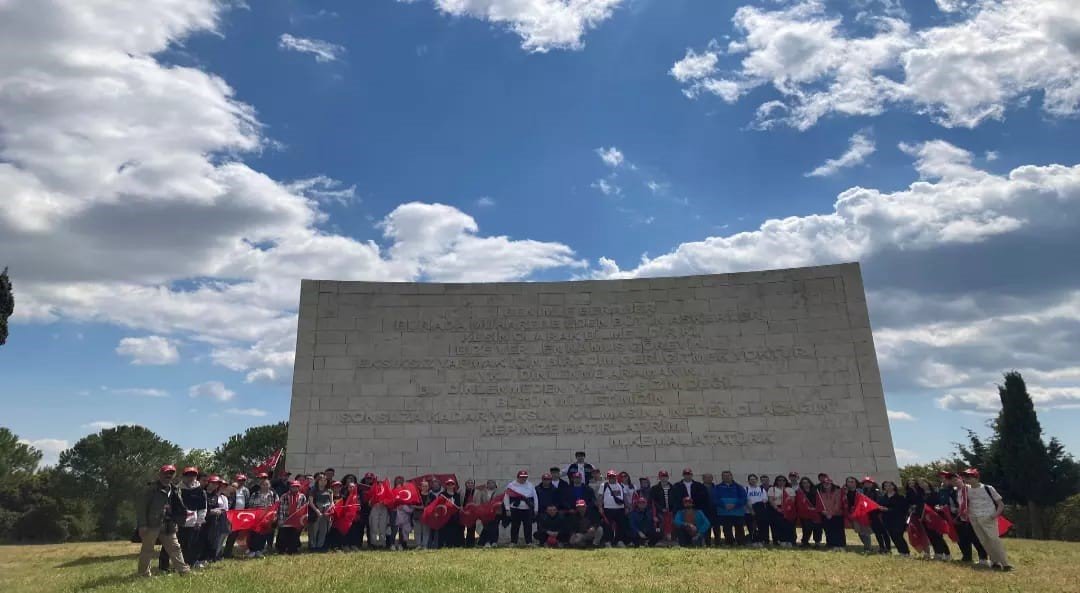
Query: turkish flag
245	519
407	493
860	513
270	463
1004	525
379	493
917	536
470	514
297	517
345	511
439	512
938	523
266	522
787	507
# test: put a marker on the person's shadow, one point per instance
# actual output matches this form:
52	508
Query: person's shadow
88	560
106	581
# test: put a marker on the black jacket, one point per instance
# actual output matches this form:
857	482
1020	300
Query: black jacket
697	493
656	497
549	495
582	523
549	524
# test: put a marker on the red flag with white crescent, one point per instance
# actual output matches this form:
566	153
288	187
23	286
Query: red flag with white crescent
270	463
470	514
266	522
407	493
862	509
439	512
245	519
345	510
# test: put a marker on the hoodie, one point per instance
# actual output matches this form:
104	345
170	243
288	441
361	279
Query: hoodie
194	498
733	494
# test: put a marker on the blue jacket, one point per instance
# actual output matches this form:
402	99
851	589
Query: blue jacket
700	521
725	494
642	521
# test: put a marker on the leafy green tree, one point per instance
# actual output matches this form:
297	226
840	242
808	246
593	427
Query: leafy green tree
244	451
929	471
201	458
113	465
16	459
44	508
7	305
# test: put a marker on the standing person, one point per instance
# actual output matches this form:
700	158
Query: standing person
367	485
292	513
468	496
562	488
643	525
965	535
586	530
280	485
156	522
851	488
354	538
238	501
729	499
489	534
520	502
896	516
334	538
877	517
547	493
216	528
831	500
612	501
378	523
320	501
691	524
403	523
628	486
425	536
781	499
692	488
264	498
984	506
451	535
808	512
757	518
710	509
582	467
192	498
550	528
921	493
664	505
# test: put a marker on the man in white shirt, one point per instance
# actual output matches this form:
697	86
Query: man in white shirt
613	497
983	509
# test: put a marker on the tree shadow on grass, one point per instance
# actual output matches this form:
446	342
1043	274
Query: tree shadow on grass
88	560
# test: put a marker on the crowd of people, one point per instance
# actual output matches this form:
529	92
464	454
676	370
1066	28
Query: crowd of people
190	519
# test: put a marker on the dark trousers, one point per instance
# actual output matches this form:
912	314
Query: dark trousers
451	535
470	536
333	539
760	519
649	539
835	536
489	534
685	539
256	542
190	546
714	526
896	534
270	539
732	526
966	540
810	529
230	542
615	531
355	535
521	518
782	529
877	525
937	542
289	540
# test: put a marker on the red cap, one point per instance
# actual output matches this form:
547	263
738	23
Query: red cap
545	477
612	473
262	475
214	480
688	501
970	472
168	468
294	484
946	474
868	479
240	478
337	483
369	475
450	482
663	473
687	470
191	470
579	503
523	474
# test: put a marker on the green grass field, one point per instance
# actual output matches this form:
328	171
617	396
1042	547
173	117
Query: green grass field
1043	567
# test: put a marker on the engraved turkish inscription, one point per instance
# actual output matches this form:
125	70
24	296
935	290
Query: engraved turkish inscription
757	372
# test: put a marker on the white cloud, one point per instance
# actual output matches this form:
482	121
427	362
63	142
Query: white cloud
212	390
50	449
606	187
860	147
126	203
485	202
99	425
906	456
151	350
961	73
612	156
324	51
543	25
991	156
254	412
900	416
138	391
987	401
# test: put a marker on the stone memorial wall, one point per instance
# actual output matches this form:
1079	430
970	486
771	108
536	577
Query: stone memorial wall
755	372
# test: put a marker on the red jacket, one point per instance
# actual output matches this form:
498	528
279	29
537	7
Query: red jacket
833	501
807	508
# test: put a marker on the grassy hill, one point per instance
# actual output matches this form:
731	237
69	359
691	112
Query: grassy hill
1043	567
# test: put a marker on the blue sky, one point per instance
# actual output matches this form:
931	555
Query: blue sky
175	167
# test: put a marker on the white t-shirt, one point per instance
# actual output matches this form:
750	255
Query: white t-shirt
610	491
756	494
981	500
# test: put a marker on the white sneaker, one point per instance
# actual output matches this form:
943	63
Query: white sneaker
607	544
620	545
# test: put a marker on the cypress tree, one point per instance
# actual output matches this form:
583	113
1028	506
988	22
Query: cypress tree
7	305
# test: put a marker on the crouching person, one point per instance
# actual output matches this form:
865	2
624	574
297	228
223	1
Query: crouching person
156	523
551	528
586	531
691	524
644	527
